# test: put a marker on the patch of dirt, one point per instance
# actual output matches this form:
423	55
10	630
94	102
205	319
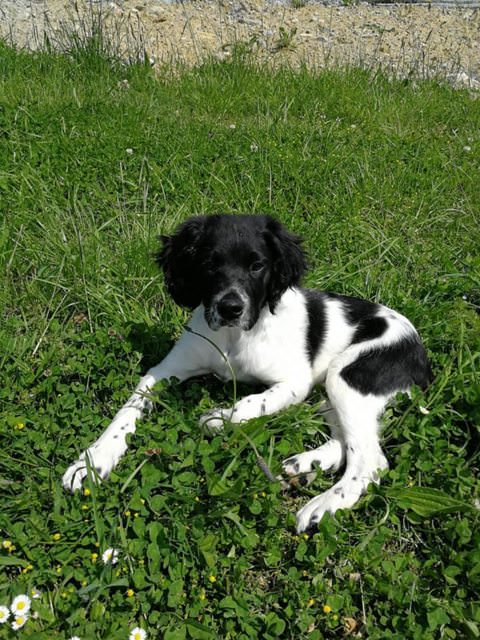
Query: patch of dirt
406	39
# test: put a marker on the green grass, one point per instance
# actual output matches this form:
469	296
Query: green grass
381	177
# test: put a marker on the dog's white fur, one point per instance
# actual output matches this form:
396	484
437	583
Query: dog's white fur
273	353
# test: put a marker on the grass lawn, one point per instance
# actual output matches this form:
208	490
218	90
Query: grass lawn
381	177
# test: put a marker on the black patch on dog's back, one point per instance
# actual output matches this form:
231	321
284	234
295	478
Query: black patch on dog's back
369	328
316	322
363	315
385	370
355	309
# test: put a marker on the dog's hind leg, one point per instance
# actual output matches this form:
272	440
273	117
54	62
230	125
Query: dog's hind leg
359	431
328	457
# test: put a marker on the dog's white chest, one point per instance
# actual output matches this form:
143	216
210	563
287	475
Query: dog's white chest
272	351
237	363
251	361
268	353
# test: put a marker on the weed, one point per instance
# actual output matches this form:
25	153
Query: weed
285	40
242	50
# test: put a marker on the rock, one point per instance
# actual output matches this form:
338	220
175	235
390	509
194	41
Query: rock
400	38
463	80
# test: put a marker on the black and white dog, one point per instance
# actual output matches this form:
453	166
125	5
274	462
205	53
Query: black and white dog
241	274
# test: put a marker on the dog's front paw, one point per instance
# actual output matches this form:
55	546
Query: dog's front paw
214	421
102	457
101	460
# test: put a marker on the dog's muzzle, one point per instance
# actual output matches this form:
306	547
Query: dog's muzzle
230	309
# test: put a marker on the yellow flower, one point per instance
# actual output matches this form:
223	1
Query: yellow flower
306	536
311	602
28	568
86	491
94	557
326	608
84	507
57	536
130	593
263	494
6	544
335	617
212	579
20	425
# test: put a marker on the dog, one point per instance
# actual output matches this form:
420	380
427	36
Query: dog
241	275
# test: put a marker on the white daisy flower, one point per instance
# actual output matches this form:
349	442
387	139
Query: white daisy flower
137	634
110	556
20	605
4	614
74	638
19	622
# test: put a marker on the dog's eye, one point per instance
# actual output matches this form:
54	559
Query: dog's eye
256	267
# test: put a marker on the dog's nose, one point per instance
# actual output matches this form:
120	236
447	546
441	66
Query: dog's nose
230	306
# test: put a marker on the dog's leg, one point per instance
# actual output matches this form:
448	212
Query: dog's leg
183	361
277	397
359	423
329	457
302	467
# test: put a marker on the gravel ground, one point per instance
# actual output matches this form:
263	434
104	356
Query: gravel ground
403	38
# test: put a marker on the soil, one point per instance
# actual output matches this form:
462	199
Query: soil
403	38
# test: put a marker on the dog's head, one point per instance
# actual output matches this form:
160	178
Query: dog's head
233	264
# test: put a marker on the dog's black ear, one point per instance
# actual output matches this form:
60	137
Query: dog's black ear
289	263
179	260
